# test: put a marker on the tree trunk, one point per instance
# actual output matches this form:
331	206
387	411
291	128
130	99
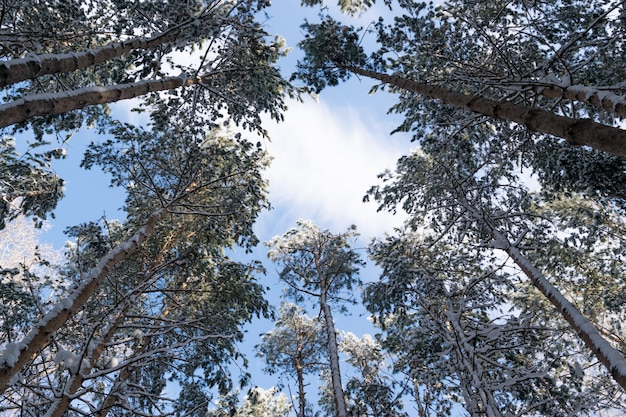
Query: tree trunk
577	132
335	373
421	408
25	108
17	355
62	403
301	391
610	357
30	67
17	70
609	102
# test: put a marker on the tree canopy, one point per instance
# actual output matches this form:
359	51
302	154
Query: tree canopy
501	293
55	84
484	88
557	75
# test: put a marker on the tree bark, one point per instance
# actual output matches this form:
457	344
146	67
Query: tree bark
60	406
577	132
335	372
610	357
17	70
40	335
301	391
25	108
611	103
421	408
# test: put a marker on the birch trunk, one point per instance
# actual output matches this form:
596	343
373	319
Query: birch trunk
25	108
40	335
577	132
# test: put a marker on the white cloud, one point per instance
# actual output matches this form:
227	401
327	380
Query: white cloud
325	159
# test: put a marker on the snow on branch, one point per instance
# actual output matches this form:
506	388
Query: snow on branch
16	355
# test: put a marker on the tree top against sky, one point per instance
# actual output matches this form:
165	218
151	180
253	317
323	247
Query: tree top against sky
500	60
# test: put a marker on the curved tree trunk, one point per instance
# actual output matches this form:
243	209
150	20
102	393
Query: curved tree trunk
17	355
577	132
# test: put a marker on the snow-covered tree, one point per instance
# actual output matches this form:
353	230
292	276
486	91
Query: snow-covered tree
469	332
127	52
484	87
257	402
551	68
321	266
264	403
210	60
28	185
478	204
297	347
29	278
169	309
371	392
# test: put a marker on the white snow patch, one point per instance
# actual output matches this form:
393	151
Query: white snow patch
70	360
66	303
10	355
107	362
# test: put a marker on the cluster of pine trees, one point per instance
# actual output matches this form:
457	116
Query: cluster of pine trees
503	293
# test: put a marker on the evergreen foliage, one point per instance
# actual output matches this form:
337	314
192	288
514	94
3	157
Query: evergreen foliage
320	265
483	260
501	295
54	82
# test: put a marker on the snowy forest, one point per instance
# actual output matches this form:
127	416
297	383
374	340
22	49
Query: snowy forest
502	292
